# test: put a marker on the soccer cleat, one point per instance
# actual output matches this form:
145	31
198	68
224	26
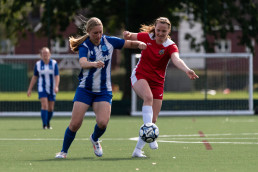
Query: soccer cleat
138	153
49	127
44	127
154	145
61	155
97	147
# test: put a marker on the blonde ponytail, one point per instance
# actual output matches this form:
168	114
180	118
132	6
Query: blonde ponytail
75	42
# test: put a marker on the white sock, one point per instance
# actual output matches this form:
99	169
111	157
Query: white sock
140	144
147	114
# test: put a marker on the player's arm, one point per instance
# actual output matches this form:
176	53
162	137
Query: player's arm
135	45
180	64
57	81
32	83
129	35
85	64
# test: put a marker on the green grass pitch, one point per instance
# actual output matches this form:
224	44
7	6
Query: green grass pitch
68	95
186	144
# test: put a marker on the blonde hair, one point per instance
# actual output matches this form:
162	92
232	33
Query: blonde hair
151	28
43	48
88	26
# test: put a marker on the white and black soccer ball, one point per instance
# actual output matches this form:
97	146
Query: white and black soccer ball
149	132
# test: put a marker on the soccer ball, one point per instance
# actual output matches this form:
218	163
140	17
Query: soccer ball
149	132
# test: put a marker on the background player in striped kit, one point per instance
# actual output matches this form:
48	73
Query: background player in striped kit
46	74
148	77
94	89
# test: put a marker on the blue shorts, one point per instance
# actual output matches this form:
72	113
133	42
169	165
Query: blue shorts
50	97
88	97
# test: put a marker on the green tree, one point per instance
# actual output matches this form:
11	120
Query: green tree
217	17
221	17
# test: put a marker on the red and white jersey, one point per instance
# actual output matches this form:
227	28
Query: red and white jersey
154	59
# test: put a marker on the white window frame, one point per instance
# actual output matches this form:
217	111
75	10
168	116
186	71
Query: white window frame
223	46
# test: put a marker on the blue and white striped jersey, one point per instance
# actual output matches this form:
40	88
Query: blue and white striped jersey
98	79
46	75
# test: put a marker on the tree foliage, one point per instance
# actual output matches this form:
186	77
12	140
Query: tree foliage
217	17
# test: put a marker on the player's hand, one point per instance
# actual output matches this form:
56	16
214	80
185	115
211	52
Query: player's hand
56	89
127	34
191	74
142	46
99	64
29	93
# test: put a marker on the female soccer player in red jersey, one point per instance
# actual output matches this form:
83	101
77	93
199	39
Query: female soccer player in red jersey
148	76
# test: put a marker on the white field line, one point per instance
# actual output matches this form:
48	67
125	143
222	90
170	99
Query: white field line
239	143
198	135
208	138
163	138
123	139
52	139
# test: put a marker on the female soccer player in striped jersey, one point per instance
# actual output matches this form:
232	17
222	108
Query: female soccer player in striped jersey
94	89
148	76
47	75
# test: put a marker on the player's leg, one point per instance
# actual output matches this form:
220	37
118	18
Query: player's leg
51	105
102	110
78	114
82	101
142	89
44	111
157	103
157	91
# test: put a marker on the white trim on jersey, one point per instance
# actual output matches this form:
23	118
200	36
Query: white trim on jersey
133	77
111	49
167	43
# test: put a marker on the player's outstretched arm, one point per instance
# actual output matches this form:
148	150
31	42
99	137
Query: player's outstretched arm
180	64
135	44
129	35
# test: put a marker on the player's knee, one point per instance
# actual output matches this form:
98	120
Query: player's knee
148	99
102	124
74	126
45	107
50	109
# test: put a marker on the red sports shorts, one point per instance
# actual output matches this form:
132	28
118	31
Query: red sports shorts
157	89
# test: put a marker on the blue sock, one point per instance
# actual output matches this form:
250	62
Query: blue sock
44	116
68	139
97	133
50	114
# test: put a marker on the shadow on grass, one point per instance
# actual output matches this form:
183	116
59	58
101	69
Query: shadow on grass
91	159
66	159
121	159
